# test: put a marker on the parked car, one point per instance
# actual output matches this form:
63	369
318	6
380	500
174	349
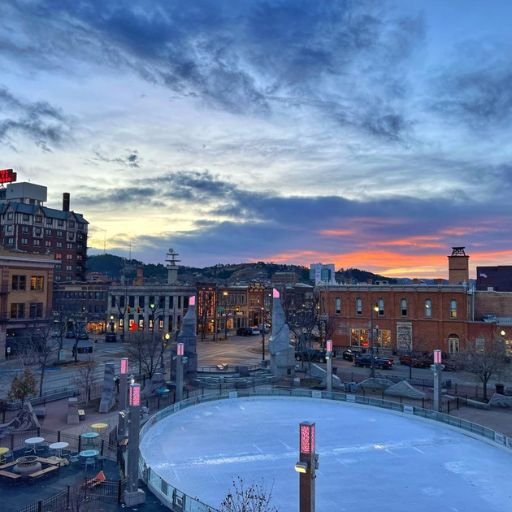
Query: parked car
416	361
311	355
244	331
365	361
255	330
110	337
83	336
350	354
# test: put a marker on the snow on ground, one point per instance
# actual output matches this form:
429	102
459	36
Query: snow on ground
370	459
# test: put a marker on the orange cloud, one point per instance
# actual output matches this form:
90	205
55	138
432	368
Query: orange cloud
336	232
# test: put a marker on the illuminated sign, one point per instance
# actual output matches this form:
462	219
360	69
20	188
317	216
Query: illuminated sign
192	300
307	438
437	356
180	349
124	366
135	395
7	176
275	294
328	345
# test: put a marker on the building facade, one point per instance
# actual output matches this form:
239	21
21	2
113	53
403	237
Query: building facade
29	226
26	291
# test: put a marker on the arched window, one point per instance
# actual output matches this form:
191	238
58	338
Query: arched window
453	308
403	307
428	308
453	344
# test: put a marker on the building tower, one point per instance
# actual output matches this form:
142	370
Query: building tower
172	266
458	266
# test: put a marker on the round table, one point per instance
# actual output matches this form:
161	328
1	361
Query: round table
58	447
3	451
89	437
99	426
33	442
87	454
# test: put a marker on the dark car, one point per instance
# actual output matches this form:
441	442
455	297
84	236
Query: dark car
312	355
350	354
110	337
365	361
416	361
244	331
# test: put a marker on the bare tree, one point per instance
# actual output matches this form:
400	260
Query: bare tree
147	350
85	378
247	498
484	358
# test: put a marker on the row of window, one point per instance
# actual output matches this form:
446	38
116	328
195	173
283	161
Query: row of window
9	229
404	308
139	302
19	310
38	219
19	282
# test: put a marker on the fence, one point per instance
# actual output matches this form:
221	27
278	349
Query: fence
71	497
178	501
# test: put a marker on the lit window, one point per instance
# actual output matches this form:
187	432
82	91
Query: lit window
381	307
453	308
338	305
428	308
359	306
37	283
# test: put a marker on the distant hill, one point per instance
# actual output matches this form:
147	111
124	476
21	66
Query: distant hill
113	266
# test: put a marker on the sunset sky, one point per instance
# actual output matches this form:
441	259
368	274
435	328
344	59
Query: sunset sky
369	134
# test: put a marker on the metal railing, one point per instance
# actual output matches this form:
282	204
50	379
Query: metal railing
178	501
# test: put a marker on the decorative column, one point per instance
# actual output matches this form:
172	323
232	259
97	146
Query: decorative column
180	351
437	368
133	495
123	392
328	356
306	467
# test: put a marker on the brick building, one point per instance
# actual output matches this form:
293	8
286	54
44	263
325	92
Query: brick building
497	278
29	226
26	289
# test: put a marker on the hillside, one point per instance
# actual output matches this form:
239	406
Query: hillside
112	266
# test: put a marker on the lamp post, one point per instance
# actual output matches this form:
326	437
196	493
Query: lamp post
374	308
262	334
328	356
306	467
225	301
437	368
180	353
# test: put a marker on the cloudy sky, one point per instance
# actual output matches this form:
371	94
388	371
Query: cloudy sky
369	134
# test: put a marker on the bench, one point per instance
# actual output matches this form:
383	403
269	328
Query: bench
43	471
8	474
8	465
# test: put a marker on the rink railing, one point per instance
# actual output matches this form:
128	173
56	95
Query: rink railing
178	501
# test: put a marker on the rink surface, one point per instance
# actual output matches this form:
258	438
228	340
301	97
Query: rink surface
371	459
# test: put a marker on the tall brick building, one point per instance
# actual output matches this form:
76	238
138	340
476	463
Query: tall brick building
27	225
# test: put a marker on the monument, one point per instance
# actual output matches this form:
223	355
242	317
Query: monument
188	337
107	394
282	354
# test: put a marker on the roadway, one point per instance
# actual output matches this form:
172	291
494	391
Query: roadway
235	351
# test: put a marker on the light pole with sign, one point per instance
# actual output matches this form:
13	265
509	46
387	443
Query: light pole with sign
306	467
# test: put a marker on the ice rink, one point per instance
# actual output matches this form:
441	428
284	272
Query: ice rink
371	459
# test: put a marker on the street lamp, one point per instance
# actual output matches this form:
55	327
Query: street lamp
374	308
225	302
262	334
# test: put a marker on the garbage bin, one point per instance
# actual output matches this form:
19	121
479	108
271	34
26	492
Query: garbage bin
500	389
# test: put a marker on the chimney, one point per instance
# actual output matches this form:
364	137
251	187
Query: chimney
458	266
65	202
139	276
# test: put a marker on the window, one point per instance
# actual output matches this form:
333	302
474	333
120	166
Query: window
9	228
24	229
121	301
24	241
19	282
60	233
338	305
36	310
60	223
37	283
69	256
10	215
69	246
428	308
403	307
453	308
131	301
69	268
49	222
359	306
113	301
10	241
48	243
26	217
36	242
17	310
39	219
380	305
71	236
59	245
47	232
71	223
58	256
453	344
38	232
